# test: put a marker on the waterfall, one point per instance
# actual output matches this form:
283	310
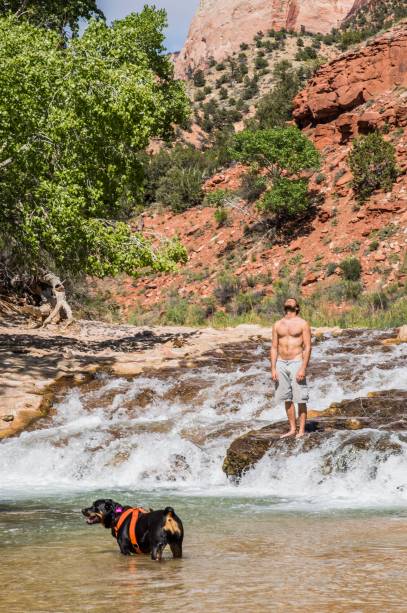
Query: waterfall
170	430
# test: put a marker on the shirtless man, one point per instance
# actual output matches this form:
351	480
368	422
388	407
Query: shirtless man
290	354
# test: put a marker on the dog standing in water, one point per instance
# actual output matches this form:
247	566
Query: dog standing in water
290	355
138	530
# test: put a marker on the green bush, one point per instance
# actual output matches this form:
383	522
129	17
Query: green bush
373	165
199	78
228	285
221	216
180	188
220	66
288	198
330	268
275	108
260	62
351	269
218	197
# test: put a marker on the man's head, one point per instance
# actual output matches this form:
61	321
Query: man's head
291	306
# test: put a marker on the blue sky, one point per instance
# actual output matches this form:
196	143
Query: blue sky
180	13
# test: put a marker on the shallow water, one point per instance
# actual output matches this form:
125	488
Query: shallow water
239	555
288	538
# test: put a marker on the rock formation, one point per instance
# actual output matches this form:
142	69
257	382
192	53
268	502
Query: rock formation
355	77
364	424
219	26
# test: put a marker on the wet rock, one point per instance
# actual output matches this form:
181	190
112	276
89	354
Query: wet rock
8	418
362	424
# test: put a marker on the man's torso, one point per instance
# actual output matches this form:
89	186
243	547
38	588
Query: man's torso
290	338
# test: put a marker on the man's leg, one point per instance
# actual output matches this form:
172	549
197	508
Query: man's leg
302	415
290	410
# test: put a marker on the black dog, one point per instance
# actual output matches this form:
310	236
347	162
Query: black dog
137	530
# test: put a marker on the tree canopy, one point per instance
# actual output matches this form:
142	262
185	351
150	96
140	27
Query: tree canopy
53	14
72	123
285	153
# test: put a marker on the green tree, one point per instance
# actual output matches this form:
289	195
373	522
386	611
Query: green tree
53	14
72	125
372	161
275	108
284	153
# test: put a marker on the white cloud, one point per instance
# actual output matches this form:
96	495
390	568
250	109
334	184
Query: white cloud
180	13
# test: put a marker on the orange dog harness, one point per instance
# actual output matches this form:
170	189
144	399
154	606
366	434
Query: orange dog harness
135	514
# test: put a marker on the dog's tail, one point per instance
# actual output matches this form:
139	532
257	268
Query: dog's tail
171	525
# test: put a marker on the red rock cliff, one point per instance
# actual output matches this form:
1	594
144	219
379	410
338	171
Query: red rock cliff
355	77
219	26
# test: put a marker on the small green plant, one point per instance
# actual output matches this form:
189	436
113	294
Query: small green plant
373	165
373	245
320	178
330	268
221	216
244	46
220	66
218	197
260	62
351	269
228	285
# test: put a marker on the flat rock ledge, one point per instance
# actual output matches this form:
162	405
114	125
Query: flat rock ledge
364	423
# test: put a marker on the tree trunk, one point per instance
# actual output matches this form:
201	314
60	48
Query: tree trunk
54	294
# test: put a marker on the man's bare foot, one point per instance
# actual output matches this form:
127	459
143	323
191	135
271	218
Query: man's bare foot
290	433
299	434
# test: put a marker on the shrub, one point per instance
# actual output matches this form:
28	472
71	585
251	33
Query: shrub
288	198
374	245
223	93
200	95
330	268
351	269
180	188
260	62
228	285
244	46
207	90
320	178
199	78
373	165
218	197
275	108
220	66
221	216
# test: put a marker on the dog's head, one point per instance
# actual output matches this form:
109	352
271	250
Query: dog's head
103	512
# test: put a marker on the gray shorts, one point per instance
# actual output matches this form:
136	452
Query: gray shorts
288	389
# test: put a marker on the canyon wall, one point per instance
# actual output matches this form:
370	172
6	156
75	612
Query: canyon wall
219	26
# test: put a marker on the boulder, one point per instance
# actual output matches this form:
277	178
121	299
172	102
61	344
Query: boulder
364	423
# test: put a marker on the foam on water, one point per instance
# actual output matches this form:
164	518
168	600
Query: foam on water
176	442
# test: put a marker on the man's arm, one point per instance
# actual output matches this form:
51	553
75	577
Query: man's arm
306	353
274	354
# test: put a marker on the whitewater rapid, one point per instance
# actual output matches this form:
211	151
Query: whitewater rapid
170	431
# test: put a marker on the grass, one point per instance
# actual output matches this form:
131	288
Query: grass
362	314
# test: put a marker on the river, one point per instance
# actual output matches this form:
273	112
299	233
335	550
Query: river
288	538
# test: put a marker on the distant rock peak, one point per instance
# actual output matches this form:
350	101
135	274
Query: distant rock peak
220	26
